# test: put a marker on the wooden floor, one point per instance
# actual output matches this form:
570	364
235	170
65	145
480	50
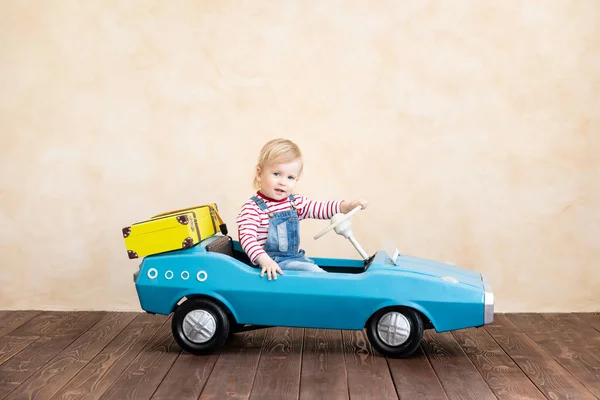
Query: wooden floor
93	355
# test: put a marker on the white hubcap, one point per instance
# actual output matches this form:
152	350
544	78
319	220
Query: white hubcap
393	328
199	326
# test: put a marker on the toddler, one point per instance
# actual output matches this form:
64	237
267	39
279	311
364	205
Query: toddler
268	224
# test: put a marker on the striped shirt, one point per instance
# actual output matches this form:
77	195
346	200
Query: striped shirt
253	223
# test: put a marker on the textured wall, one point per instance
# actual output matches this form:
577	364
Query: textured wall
472	127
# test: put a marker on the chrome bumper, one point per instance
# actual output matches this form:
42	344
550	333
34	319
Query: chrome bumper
488	300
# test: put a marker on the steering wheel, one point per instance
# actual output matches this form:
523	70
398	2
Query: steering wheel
335	222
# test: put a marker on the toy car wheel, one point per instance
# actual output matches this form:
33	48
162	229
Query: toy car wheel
200	326
395	332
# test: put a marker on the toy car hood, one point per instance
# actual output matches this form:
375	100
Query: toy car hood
445	271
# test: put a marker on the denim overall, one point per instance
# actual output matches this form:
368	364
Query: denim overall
283	239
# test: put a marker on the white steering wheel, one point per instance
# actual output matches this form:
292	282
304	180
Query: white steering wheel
338	220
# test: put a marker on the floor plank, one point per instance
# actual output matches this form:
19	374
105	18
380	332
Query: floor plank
11	345
97	376
369	376
41	324
415	378
10	320
571	354
548	375
278	373
48	380
577	329
323	366
23	365
141	378
233	374
25	330
591	319
92	355
458	376
501	374
186	378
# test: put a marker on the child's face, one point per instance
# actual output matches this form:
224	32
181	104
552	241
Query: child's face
278	181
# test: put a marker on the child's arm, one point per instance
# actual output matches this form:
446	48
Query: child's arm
248	222
316	209
326	209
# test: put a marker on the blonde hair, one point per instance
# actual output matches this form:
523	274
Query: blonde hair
277	151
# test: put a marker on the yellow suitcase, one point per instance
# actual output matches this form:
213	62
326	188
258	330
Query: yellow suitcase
172	230
208	227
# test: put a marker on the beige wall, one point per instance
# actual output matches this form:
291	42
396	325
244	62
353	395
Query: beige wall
471	127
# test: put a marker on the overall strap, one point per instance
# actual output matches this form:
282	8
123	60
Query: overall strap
262	205
291	197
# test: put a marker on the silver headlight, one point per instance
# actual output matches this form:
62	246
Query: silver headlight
488	300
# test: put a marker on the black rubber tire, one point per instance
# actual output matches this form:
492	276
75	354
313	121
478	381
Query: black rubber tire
405	349
221	332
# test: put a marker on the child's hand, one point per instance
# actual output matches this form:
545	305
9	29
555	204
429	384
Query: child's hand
348	206
269	266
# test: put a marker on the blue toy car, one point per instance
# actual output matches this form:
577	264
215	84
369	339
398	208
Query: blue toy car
213	291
